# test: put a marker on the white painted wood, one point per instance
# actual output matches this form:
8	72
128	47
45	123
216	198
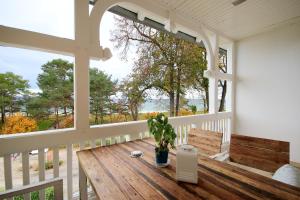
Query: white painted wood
93	144
122	139
81	145
7	172
221	15
185	132
16	144
81	69
41	158
56	183
25	171
69	171
55	162
35	41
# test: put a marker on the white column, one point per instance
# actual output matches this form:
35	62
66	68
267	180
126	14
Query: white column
81	70
230	97
213	81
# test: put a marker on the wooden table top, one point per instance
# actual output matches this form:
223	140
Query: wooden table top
115	175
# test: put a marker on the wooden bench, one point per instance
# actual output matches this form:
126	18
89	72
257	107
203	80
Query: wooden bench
209	143
57	183
259	153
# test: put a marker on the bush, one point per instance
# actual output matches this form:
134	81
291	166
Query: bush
19	124
35	195
45	124
49	164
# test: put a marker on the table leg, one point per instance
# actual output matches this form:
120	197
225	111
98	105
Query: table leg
82	184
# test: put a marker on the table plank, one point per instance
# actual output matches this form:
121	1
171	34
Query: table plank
115	175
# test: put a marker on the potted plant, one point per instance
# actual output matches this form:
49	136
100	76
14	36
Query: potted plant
164	136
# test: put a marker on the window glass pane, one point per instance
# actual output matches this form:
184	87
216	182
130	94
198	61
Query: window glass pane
223	60
36	91
222	95
53	17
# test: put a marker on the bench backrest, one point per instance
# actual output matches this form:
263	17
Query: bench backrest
207	142
259	153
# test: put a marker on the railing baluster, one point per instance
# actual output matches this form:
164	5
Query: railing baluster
122	138
103	142
41	156
185	130
7	172
81	145
69	171
25	170
55	162
93	145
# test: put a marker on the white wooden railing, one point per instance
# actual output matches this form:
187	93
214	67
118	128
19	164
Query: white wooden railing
69	139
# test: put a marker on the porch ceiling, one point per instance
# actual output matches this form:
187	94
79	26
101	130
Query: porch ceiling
237	22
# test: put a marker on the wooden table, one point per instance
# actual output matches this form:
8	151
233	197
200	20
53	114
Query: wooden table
113	174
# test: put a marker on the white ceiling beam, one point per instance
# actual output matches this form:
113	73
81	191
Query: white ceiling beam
218	75
14	37
35	41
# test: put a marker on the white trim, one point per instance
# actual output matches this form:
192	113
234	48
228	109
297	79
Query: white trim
25	142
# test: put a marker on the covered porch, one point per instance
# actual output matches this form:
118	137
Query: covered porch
262	40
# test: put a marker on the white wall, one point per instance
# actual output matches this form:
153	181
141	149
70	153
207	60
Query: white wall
268	86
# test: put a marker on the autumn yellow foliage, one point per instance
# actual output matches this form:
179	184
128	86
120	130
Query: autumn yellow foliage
150	114
184	112
67	122
18	124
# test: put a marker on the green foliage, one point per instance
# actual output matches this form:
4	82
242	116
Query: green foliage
193	108
56	83
102	87
162	131
36	106
11	86
49	192
164	62
45	124
49	164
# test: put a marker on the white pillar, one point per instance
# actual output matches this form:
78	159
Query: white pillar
81	70
230	97
213	81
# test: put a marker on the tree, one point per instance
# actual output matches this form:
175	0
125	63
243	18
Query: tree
102	88
222	84
162	59
36	106
12	86
19	124
133	95
56	83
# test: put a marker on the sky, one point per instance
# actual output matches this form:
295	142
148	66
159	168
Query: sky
53	17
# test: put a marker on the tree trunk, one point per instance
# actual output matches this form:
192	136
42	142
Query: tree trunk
57	120
178	91
206	100
172	98
134	113
222	102
171	92
96	118
65	111
2	115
